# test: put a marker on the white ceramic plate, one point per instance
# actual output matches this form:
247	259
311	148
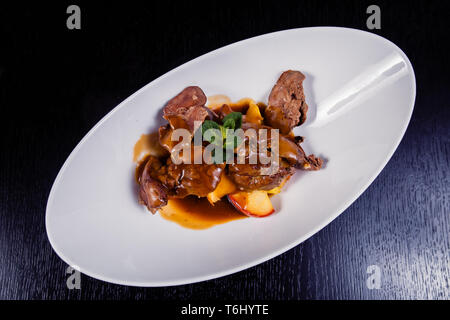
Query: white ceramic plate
93	219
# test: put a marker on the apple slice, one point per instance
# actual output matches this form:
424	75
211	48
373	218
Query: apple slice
254	203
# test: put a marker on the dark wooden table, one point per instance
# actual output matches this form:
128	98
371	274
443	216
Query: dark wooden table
55	84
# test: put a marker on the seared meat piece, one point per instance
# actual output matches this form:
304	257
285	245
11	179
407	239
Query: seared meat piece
287	107
250	177
181	112
159	181
192	179
289	148
188	105
291	155
292	152
165	134
152	192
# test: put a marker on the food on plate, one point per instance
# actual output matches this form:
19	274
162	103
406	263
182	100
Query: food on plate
242	153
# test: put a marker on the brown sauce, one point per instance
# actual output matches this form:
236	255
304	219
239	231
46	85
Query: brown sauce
148	144
197	213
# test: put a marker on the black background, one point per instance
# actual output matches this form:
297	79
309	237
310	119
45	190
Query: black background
55	84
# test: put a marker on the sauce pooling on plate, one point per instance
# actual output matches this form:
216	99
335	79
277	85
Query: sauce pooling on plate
148	145
197	213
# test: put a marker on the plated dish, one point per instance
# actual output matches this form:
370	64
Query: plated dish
95	223
242	153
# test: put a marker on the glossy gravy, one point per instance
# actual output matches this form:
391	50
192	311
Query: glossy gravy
197	213
148	144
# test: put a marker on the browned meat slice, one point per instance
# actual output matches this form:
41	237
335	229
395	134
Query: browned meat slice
287	106
192	179
188	105
292	152
191	96
159	181
152	192
250	177
291	155
289	148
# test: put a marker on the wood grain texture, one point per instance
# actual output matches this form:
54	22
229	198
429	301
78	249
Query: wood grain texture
55	84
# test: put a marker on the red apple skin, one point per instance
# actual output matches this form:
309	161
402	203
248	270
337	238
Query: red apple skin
238	207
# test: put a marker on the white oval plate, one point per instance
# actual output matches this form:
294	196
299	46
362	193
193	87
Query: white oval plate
93	219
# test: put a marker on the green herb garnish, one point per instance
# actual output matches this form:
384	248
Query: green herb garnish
232	120
208	124
218	135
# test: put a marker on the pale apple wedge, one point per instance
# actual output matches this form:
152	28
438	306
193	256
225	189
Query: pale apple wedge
254	203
